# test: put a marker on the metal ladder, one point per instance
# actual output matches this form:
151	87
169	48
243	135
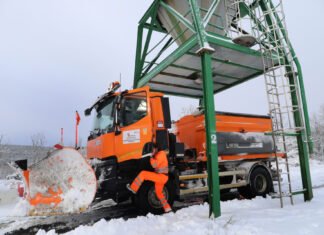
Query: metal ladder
236	25
232	17
268	27
279	68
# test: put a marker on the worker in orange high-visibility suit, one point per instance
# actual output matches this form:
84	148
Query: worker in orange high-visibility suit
160	164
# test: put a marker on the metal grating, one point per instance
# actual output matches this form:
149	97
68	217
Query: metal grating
230	67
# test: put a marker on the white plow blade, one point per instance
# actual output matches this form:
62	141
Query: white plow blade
63	182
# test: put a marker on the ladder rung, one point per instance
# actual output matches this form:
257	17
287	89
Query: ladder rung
280	93
284	163
284	173
299	192
271	84
283	194
283	184
273	103
275	110
291	73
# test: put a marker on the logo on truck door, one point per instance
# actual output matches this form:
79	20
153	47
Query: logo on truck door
132	136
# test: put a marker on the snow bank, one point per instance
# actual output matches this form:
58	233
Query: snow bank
21	208
8	191
258	216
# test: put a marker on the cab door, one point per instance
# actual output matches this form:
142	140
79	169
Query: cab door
135	125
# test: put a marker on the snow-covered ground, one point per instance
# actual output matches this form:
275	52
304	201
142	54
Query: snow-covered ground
257	216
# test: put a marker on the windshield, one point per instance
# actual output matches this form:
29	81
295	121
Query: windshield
104	116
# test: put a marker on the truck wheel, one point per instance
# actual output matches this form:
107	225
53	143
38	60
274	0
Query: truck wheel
260	184
146	198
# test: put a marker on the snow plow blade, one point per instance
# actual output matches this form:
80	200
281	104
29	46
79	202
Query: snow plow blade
61	183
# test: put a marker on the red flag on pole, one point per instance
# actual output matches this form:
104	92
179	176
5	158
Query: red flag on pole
77	118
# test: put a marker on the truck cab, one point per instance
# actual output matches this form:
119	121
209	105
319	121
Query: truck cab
126	123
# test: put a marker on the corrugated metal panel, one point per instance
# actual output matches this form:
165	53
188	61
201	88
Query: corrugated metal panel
224	79
189	61
166	88
173	80
231	70
235	56
179	71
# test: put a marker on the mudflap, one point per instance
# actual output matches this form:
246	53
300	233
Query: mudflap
63	182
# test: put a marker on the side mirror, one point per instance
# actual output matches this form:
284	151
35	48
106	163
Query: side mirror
87	112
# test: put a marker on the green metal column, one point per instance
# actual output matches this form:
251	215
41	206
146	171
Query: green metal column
137	73
305	108
302	148
210	122
211	139
141	55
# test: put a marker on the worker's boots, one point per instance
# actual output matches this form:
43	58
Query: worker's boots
168	210
130	189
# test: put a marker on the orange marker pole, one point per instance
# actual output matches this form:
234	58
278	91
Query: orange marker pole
76	135
77	116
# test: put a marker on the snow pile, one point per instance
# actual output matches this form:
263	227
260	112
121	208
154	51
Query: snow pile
7	185
4	186
74	200
21	208
11	204
257	216
8	191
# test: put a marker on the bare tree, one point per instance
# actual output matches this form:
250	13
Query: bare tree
38	143
3	147
317	126
38	140
1	143
187	110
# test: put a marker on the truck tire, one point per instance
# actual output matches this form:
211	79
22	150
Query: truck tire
260	184
146	198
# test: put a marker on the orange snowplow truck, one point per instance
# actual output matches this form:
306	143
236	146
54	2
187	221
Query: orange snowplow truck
127	123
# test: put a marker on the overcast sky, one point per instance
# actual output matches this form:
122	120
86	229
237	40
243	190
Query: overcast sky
57	56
